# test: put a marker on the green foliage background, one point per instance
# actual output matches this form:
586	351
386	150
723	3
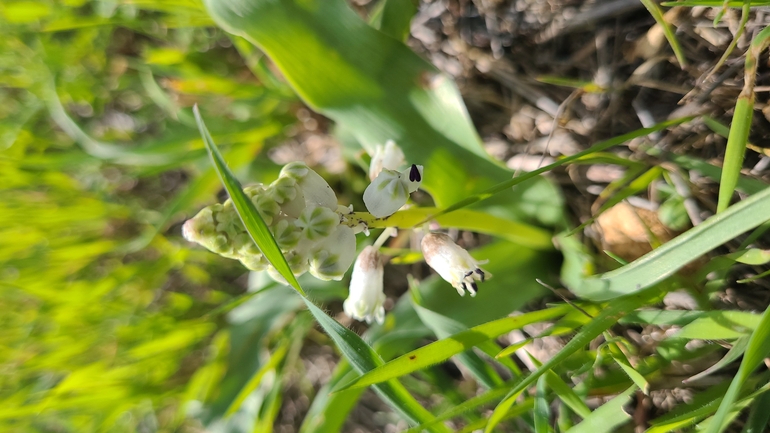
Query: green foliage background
111	322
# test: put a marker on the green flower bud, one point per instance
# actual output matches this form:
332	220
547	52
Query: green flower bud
333	256
255	262
286	234
295	170
266	206
228	220
317	222
283	189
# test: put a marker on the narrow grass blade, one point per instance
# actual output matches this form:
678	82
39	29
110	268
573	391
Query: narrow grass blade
735	352
567	395
445	348
542	410
608	317
721	325
608	417
255	380
758	348
252	220
741	124
473	403
445	327
620	358
657	14
363	358
599	147
664	261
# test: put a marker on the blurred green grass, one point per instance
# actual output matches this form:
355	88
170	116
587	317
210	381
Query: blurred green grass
105	310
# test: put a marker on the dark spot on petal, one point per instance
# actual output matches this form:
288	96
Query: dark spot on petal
412	357
469	273
480	272
464	288
475	287
414	174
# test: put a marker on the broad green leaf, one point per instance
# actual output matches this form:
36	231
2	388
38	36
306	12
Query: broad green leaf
443	349
608	417
664	261
375	88
393	17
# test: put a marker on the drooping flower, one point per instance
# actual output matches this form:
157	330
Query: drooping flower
452	263
366	296
389	157
391	189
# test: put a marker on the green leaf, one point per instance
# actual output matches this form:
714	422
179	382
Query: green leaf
253	222
757	350
608	317
443	349
657	14
664	261
444	327
542	412
567	395
375	88
467	219
365	359
721	325
608	417
598	147
393	17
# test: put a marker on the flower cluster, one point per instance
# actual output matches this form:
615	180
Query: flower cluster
317	235
300	209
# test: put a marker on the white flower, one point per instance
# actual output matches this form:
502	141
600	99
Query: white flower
366	297
386	194
390	157
333	255
452	263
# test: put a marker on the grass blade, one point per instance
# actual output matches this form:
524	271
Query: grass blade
608	417
445	348
664	261
608	317
758	348
253	222
657	14
598	147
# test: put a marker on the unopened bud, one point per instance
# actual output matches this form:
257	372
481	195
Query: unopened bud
366	297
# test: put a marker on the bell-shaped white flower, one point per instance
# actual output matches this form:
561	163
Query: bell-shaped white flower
386	194
366	297
452	263
390	157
